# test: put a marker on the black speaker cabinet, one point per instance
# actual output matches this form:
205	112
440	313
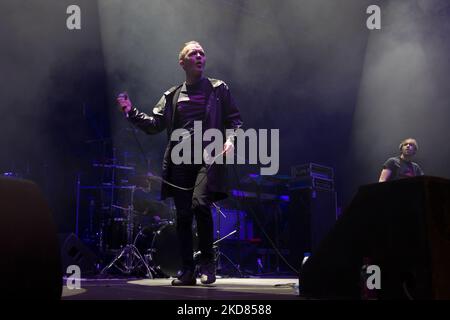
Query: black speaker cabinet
75	252
401	226
30	257
312	214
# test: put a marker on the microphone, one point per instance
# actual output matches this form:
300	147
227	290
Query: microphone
126	113
124	96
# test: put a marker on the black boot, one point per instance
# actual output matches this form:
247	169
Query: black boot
208	273
186	278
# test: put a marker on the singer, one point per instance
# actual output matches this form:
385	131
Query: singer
195	186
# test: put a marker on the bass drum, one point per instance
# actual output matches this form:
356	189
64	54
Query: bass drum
166	255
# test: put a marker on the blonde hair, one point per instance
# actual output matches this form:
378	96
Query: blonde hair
183	50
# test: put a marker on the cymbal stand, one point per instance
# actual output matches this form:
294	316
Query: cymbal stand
129	259
219	253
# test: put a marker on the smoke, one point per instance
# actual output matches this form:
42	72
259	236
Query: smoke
53	78
292	65
340	95
404	90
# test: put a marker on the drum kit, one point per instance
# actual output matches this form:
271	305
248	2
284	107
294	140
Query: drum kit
131	225
126	220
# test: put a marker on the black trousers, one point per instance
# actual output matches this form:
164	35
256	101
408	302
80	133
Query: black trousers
189	204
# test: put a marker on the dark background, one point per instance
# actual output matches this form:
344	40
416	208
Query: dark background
341	95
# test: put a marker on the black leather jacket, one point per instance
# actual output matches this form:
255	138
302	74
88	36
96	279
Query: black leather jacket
221	113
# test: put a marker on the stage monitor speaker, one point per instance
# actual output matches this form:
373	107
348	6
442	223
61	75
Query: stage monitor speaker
30	259
312	214
75	252
403	227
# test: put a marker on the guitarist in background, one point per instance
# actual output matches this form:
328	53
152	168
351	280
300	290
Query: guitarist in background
194	187
402	166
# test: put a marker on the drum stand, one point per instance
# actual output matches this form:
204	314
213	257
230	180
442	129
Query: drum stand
219	253
132	258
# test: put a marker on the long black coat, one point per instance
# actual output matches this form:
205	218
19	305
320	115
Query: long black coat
221	113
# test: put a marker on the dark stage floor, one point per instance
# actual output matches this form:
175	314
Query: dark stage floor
161	289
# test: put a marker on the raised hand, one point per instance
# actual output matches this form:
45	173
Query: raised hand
124	102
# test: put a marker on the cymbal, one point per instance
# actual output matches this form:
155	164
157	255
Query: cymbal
112	166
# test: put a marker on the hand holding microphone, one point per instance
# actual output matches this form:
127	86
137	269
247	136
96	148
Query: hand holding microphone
124	103
228	147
